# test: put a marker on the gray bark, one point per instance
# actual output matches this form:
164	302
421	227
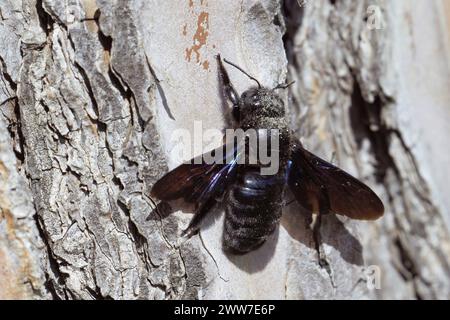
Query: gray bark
91	91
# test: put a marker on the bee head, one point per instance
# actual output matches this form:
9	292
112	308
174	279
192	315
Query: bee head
261	102
256	101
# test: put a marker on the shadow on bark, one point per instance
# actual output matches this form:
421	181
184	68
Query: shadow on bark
296	221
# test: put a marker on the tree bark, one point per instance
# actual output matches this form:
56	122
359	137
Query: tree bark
92	91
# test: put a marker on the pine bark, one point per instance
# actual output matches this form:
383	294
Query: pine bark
91	92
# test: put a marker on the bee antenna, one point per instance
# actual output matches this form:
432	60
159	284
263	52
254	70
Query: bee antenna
242	70
284	86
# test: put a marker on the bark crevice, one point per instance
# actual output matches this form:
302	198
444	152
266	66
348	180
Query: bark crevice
91	93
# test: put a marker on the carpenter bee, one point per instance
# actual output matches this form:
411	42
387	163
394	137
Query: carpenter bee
254	200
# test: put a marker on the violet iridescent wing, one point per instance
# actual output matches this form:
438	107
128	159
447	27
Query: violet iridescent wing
321	187
198	182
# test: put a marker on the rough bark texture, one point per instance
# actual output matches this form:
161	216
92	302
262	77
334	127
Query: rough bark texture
91	91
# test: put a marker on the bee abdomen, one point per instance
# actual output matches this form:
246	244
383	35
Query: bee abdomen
253	211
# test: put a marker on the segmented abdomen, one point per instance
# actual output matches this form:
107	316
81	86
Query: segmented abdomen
253	210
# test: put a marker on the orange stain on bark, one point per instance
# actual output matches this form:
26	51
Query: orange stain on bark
200	37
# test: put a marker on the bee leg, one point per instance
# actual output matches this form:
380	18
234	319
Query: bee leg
228	89
236	113
324	208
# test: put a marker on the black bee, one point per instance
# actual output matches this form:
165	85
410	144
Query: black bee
253	200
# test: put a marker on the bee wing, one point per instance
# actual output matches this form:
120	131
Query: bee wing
198	182
193	180
321	187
